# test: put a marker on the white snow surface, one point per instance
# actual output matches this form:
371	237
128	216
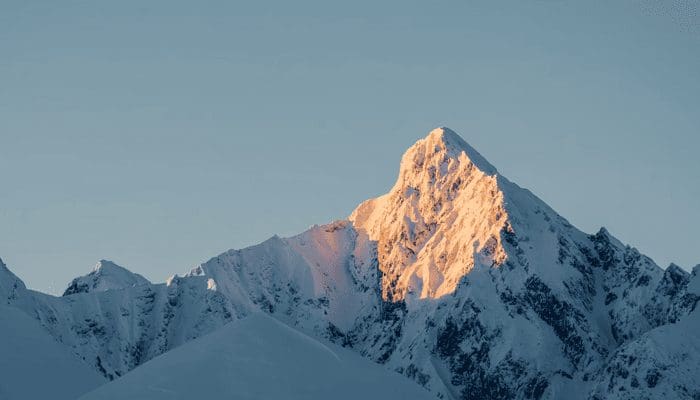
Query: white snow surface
259	358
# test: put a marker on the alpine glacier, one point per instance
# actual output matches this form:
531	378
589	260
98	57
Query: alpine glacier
457	278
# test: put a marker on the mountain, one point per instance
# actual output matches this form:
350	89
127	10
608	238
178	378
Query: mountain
259	357
456	278
10	285
662	363
34	366
106	276
117	329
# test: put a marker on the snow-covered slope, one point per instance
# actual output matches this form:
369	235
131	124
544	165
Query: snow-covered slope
34	366
106	276
117	329
255	358
457	278
662	363
11	287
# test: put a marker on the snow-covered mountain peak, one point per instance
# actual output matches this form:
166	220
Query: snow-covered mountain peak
675	277
105	276
446	140
443	216
173	280
676	270
604	235
456	278
106	266
694	284
4	270
10	284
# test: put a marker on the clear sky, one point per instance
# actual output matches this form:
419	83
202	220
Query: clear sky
158	134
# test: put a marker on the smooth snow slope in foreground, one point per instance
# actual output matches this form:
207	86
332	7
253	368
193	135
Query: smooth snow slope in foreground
259	357
34	366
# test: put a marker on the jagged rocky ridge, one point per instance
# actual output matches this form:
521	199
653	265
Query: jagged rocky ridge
457	278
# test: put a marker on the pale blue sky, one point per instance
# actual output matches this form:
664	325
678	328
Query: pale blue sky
159	134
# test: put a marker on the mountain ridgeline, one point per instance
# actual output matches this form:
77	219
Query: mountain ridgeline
457	279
